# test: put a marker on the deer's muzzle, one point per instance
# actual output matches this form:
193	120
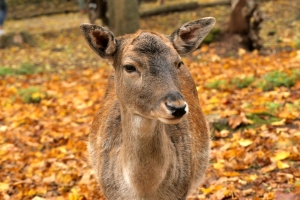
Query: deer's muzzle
172	108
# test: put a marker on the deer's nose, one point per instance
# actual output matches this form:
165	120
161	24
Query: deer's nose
177	111
176	104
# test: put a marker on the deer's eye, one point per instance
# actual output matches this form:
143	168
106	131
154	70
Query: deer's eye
129	68
179	64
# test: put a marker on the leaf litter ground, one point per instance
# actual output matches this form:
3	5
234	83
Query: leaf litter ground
45	116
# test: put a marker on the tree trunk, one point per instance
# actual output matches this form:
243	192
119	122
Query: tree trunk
245	20
123	16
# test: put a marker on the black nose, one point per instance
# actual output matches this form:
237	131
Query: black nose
177	111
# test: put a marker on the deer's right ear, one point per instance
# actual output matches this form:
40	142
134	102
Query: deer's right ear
100	39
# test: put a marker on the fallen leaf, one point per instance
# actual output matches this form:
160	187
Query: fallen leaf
280	155
245	142
4	187
268	168
286	196
282	165
238	120
279	123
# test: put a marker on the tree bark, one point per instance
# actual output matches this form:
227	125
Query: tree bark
123	16
245	20
238	23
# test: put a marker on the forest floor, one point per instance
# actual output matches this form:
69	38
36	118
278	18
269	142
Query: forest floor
51	91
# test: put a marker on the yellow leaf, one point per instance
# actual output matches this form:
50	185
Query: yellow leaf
226	66
4	187
206	190
281	155
288	114
214	100
218	165
211	189
31	192
251	177
279	123
245	143
231	174
36	95
282	165
63	149
13	90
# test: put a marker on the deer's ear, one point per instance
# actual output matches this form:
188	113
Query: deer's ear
100	39
189	36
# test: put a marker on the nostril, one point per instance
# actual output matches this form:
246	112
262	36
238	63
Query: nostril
176	111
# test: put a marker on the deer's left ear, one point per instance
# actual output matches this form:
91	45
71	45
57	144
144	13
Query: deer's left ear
189	36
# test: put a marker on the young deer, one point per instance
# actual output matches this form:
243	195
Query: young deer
149	139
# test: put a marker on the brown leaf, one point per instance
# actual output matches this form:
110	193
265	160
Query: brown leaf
238	120
286	196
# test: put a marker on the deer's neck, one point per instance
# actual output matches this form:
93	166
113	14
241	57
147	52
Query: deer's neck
145	151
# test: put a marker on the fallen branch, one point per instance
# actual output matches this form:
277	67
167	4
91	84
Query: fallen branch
163	9
180	7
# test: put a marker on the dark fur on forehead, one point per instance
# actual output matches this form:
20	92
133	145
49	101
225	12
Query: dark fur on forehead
149	43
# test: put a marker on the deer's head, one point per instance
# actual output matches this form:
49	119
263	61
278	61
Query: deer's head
147	66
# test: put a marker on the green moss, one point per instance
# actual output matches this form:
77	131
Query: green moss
273	107
208	39
296	74
276	79
267	82
221	126
297	104
262	118
215	31
24	69
212	36
32	95
237	83
217	84
298	44
242	82
6	71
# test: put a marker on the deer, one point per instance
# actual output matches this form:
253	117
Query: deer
149	140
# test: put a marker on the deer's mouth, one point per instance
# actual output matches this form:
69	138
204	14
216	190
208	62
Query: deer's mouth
174	120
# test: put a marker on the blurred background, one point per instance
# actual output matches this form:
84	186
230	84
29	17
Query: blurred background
247	73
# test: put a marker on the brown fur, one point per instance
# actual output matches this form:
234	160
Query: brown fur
138	149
